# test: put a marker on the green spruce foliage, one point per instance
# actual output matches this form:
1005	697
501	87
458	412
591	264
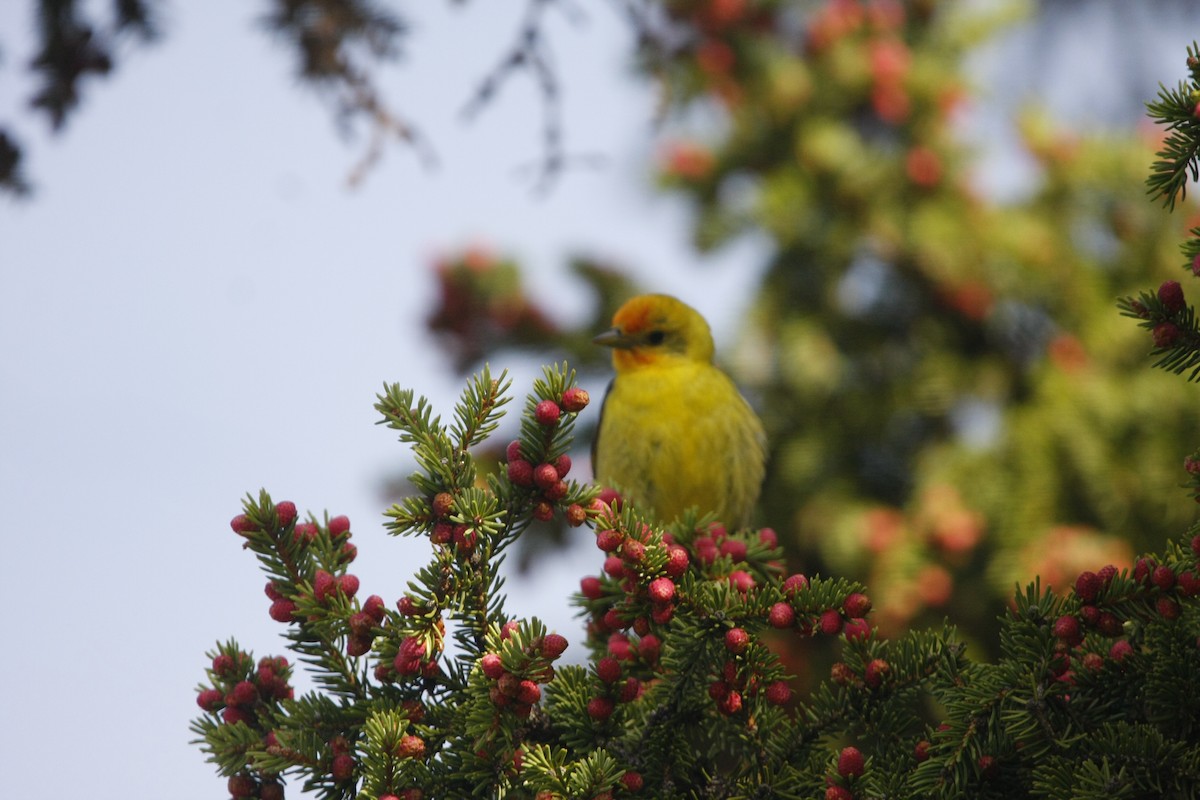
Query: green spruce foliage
679	689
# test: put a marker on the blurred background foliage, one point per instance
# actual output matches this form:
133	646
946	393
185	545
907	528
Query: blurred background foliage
953	402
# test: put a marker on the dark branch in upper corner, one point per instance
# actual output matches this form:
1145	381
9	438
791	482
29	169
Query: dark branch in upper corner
645	19
71	47
327	35
12	179
385	122
530	51
338	45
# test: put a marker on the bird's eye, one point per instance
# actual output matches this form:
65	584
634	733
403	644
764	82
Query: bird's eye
656	337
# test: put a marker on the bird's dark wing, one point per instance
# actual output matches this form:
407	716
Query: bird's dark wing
599	423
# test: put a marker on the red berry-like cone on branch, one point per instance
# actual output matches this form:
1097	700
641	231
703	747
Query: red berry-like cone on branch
491	665
781	615
661	590
282	611
373	607
737	640
1067	630
730	704
545	476
1170	294
242	525
1087	586
856	605
794	584
575	399
520	472
553	646
608	669
285	513
600	708
323	585
850	762
1165	334
547	413
877	670
576	515
779	693
342	768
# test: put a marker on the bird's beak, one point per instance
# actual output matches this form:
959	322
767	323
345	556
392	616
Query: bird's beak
614	337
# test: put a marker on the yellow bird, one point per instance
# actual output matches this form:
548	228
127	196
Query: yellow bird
674	431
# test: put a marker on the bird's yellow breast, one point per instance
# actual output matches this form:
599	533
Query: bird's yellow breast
675	434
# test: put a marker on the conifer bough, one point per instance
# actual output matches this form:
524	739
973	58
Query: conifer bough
678	689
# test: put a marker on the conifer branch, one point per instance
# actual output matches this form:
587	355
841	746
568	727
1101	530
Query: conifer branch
1172	325
682	697
1179	158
